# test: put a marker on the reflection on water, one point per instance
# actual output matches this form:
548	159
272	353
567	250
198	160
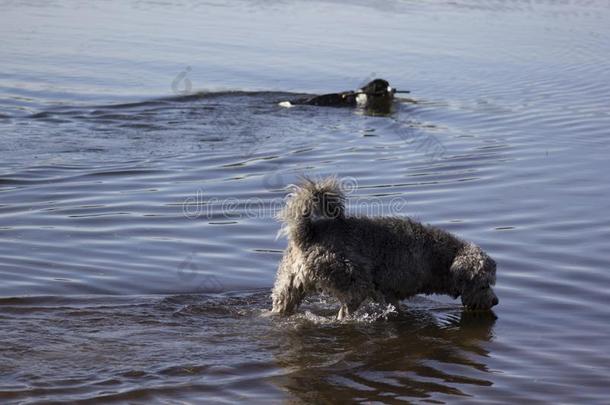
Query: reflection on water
414	356
108	348
137	238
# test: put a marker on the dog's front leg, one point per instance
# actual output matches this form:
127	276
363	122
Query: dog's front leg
287	296
291	284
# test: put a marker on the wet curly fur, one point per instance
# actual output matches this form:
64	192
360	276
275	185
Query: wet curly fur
383	259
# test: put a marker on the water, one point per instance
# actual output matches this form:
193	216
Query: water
143	156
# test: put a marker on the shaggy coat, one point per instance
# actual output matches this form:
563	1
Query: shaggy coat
383	259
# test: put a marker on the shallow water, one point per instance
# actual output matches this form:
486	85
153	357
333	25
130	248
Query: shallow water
143	156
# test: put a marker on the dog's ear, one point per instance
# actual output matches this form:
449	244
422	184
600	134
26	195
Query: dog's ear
465	267
471	262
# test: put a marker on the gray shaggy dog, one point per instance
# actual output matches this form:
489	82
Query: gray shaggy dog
382	259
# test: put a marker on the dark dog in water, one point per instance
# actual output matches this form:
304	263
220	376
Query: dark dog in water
382	259
376	97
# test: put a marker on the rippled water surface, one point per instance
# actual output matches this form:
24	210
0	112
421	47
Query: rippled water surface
143	156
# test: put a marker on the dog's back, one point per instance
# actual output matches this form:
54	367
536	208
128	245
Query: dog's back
390	242
314	217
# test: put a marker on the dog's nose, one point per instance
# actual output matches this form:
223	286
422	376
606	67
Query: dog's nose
495	301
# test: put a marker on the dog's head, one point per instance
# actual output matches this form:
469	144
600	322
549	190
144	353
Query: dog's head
378	87
376	97
474	274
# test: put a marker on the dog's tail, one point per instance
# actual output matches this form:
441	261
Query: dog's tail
311	201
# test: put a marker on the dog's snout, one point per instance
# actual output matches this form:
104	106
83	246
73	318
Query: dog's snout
495	301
